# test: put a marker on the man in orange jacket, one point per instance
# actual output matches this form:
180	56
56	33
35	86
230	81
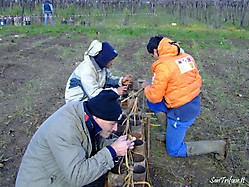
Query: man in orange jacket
175	94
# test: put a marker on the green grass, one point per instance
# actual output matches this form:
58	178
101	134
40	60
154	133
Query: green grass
179	33
123	22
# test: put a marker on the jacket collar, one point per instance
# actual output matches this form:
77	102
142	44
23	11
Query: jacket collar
168	47
94	63
92	125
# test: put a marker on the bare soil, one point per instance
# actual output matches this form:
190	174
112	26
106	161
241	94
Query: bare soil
33	75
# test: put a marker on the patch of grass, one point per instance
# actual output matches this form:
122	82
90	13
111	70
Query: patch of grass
37	43
65	53
176	33
29	91
29	85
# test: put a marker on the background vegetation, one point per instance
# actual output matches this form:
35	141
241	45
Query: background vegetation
218	13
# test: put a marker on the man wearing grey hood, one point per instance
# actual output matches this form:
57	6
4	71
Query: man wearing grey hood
93	74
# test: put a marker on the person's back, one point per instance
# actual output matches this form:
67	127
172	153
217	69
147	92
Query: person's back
178	80
47	7
79	87
48	11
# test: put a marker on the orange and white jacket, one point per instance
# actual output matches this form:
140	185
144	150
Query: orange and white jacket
176	79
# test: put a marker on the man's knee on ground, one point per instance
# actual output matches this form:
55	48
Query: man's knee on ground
175	150
172	152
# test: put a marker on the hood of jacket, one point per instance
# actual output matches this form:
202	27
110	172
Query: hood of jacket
94	48
168	47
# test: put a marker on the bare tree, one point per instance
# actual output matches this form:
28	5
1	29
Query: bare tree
209	11
244	12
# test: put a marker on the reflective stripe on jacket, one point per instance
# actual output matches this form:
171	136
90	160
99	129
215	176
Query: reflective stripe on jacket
176	79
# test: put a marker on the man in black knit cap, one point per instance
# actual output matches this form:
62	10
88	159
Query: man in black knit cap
70	148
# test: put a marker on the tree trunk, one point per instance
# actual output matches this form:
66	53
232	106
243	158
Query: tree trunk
244	11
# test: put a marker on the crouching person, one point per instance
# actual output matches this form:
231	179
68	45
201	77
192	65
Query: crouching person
174	96
71	147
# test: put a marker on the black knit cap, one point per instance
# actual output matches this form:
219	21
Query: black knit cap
105	106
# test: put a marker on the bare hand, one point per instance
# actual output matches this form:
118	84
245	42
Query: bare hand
132	139
122	144
127	79
145	83
121	90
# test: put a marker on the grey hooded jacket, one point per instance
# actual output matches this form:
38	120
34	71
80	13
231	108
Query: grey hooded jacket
88	79
58	155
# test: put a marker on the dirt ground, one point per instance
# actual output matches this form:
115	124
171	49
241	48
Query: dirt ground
33	75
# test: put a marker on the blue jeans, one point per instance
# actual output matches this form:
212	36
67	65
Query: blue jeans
175	131
175	134
46	15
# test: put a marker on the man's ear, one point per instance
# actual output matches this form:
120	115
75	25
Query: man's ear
94	117
155	52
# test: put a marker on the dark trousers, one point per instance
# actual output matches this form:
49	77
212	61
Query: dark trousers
100	182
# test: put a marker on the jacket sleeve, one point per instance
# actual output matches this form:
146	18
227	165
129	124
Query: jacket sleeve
155	92
111	80
105	142
70	153
52	9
